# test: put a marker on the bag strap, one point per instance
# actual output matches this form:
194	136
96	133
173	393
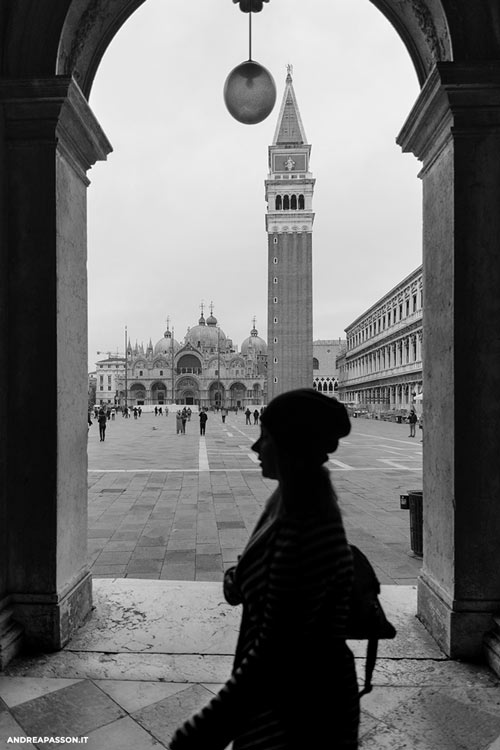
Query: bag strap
371	658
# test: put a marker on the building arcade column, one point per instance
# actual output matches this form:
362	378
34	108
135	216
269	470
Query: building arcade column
51	140
454	129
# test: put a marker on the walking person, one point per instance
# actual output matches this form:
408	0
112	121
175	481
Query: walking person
248	414
184	417
223	413
156	411
203	421
294	580
102	420
178	422
135	412
256	416
189	412
412	420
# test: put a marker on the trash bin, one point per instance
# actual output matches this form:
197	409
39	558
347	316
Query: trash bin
415	502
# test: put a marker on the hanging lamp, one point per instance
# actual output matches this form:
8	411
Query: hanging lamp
250	90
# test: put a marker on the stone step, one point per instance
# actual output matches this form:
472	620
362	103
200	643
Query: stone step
492	645
11	636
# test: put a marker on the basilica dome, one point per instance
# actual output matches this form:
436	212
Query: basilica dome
206	335
164	345
254	343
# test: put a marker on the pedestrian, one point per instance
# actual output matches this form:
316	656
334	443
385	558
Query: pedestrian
102	420
248	414
412	420
184	417
256	416
223	413
113	414
139	411
156	411
135	412
166	411
294	580
89	419
189	412
160	411
203	421
178	421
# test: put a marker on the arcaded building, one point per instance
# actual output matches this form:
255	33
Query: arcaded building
289	223
381	365
205	370
325	370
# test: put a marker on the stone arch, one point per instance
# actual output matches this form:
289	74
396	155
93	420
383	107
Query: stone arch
430	33
137	394
158	392
217	393
42	46
189	363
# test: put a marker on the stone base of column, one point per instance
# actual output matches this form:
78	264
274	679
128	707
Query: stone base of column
458	632
492	646
49	620
11	633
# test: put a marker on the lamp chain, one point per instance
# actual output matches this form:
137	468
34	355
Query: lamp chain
250	34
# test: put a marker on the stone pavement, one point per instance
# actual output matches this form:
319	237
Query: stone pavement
155	651
181	507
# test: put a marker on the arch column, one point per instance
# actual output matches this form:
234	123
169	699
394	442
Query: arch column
454	129
52	139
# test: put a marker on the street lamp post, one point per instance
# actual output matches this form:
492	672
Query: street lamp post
173	376
219	392
126	370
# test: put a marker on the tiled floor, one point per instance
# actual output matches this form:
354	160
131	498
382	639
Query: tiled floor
156	512
155	651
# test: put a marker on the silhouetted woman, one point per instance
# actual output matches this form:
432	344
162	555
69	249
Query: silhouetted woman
293	684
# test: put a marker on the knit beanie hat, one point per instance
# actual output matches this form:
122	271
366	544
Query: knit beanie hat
306	421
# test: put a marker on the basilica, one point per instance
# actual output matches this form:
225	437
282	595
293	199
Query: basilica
206	370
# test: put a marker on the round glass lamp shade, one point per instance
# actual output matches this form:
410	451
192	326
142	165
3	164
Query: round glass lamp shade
250	92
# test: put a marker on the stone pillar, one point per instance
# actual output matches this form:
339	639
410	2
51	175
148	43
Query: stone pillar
51	140
454	129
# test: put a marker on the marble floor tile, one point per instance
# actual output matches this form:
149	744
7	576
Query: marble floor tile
16	690
133	695
450	719
71	711
159	617
124	734
163	718
9	728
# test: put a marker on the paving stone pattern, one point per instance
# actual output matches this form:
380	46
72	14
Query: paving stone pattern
156	513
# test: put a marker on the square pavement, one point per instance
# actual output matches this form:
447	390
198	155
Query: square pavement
154	652
180	507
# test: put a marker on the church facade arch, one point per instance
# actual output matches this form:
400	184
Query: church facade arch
454	130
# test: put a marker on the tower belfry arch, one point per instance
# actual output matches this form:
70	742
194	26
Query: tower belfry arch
49	138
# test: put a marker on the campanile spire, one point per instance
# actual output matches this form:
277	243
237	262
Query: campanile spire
289	224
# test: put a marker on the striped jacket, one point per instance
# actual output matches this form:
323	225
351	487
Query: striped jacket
293	579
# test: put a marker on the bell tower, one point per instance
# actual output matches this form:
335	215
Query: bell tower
289	223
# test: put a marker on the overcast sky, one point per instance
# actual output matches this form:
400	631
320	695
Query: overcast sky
177	213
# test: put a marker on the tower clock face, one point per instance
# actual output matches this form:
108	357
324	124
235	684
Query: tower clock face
289	162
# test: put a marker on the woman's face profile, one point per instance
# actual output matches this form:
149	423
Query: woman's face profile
266	451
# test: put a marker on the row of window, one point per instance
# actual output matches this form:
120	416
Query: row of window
289	203
396	314
392	355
